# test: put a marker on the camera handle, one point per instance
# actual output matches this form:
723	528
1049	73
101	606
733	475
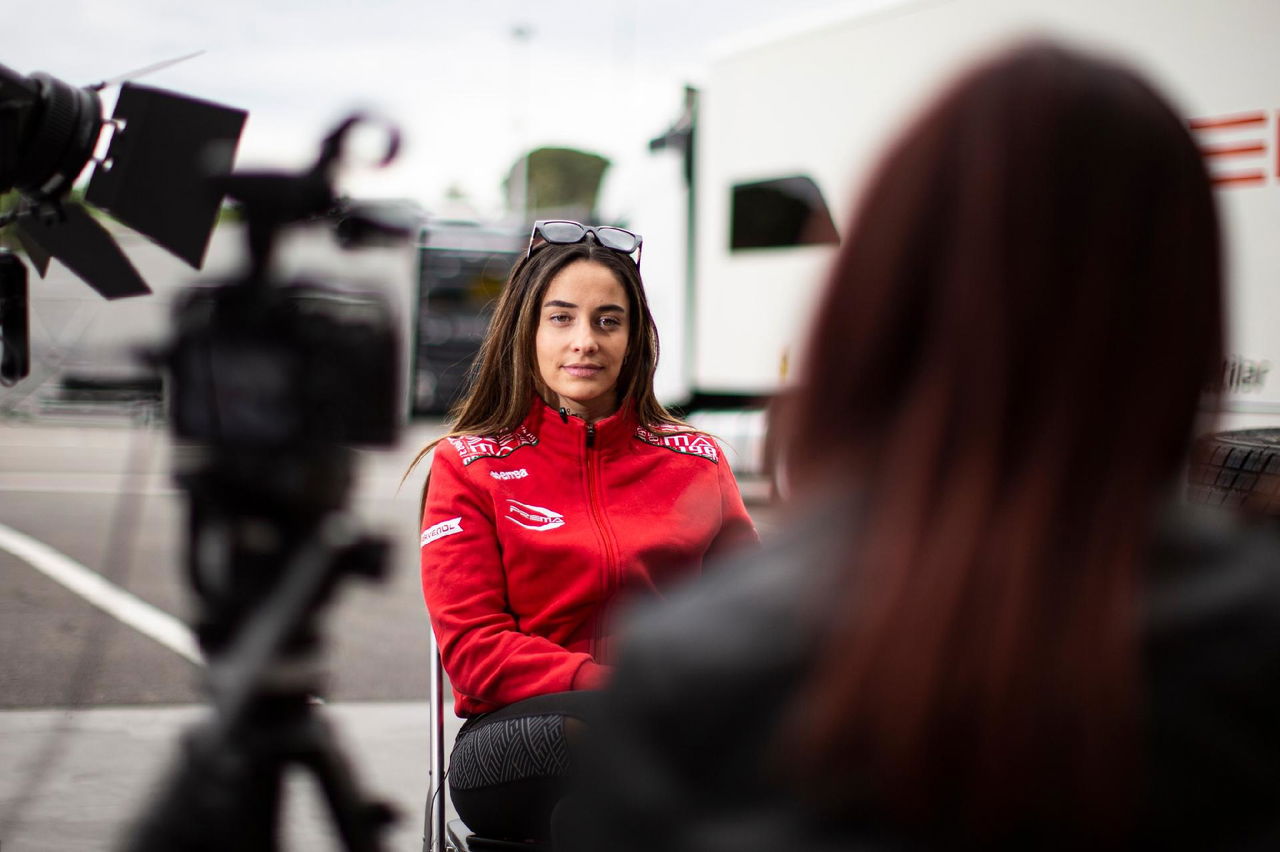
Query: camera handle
274	199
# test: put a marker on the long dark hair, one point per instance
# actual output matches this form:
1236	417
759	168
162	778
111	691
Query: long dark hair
505	375
1007	361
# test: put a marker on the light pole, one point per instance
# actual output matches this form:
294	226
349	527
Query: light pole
522	35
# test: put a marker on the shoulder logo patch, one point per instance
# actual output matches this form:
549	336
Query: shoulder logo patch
686	443
534	518
453	526
473	447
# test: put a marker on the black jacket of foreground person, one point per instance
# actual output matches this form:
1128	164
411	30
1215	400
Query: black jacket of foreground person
687	758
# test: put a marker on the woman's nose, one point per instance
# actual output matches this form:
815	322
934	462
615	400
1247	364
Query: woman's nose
584	339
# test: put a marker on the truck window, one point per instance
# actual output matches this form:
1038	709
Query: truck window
778	213
457	288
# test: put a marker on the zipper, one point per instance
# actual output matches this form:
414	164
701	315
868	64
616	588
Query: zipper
604	530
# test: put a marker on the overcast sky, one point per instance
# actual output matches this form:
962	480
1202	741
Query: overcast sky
468	92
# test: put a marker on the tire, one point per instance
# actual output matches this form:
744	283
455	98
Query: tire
1237	470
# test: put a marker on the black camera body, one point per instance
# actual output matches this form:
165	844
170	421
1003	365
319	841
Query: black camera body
286	366
261	365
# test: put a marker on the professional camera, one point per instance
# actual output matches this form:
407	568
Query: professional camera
301	363
270	385
260	365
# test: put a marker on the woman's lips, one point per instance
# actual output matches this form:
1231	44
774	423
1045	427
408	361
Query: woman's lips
582	371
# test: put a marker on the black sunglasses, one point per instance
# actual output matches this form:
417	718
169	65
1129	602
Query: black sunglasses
562	232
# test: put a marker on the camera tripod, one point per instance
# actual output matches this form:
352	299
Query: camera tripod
261	575
271	383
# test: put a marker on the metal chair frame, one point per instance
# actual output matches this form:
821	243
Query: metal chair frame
434	837
440	834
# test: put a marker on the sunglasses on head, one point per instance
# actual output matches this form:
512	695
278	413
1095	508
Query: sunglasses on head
562	232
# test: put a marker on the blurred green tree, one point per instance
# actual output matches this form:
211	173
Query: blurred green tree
562	183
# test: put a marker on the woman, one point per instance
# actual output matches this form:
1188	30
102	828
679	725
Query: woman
989	626
563	490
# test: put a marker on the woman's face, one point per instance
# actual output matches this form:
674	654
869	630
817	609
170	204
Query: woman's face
582	339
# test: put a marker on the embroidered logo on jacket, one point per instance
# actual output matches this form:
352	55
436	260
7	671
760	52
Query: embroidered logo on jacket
534	518
509	474
472	447
688	443
442	529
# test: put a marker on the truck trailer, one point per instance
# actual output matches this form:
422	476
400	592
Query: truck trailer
782	129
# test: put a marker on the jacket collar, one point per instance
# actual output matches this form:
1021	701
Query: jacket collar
562	430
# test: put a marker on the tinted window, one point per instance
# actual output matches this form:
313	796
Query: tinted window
782	212
452	280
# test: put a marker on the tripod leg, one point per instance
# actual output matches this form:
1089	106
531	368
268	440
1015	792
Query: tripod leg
359	822
220	795
260	796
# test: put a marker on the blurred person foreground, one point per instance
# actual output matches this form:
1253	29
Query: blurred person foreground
989	623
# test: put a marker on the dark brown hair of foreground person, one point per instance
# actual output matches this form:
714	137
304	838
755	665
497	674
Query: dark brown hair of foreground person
1007	361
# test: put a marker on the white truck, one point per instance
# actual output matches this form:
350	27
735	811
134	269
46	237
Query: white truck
794	119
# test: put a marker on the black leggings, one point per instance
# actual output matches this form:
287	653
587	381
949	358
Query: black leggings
509	769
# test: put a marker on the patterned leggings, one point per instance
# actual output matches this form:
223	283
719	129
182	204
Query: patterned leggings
509	768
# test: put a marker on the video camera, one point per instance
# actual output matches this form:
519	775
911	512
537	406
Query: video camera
297	364
269	385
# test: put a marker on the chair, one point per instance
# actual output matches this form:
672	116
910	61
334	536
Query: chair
440	834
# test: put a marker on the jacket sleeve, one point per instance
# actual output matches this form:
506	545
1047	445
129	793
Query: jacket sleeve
464	583
737	530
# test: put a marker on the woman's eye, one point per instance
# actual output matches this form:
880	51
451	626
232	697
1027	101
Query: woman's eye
559	318
610	322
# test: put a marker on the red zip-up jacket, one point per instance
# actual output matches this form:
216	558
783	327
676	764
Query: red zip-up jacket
529	539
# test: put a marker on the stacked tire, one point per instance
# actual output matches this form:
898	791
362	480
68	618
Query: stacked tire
1237	470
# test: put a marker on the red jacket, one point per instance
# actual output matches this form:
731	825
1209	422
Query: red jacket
529	539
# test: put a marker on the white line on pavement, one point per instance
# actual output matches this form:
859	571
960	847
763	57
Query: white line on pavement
83	483
106	596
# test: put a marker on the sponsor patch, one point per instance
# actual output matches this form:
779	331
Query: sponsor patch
473	447
534	518
440	530
509	474
687	443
